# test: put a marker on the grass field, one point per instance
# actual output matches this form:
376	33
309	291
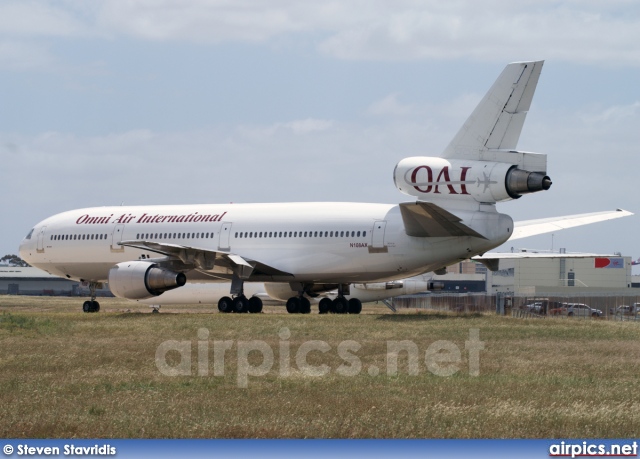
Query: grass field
68	374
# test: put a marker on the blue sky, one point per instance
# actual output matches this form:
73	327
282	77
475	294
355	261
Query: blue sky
190	101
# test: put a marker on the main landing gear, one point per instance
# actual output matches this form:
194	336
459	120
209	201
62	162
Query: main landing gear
240	304
340	305
91	305
298	304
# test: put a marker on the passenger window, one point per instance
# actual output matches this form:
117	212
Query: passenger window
364	233
341	233
358	233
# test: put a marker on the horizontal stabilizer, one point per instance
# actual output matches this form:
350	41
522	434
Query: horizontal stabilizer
528	228
425	219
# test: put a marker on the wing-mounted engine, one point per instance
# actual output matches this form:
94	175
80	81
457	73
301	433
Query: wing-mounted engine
137	280
511	176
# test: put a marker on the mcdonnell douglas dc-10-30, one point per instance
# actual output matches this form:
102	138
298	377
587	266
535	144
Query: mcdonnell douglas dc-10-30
302	250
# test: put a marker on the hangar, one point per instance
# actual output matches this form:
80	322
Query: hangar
16	280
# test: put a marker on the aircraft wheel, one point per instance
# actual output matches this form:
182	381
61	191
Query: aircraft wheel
95	306
155	311
305	306
241	304
324	306
340	305
355	306
225	304
255	304
293	305
86	306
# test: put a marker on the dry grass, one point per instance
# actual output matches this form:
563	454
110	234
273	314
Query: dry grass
68	374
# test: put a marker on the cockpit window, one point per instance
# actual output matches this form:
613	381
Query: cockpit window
30	233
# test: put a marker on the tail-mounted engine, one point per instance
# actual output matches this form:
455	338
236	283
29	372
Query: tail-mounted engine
483	181
137	280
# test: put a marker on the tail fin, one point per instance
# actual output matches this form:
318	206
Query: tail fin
497	121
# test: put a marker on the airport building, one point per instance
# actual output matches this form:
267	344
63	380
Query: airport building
33	281
551	273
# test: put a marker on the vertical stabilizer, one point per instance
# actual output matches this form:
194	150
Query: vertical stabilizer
496	123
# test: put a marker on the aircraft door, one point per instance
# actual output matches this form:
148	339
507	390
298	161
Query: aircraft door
40	246
116	237
225	234
377	237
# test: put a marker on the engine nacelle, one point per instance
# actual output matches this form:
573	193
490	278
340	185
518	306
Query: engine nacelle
137	280
483	181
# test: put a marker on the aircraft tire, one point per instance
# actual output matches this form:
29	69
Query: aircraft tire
293	305
95	307
225	304
324	306
305	306
86	306
340	305
255	305
355	306
241	304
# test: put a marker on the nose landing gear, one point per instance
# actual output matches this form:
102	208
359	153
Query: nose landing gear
92	305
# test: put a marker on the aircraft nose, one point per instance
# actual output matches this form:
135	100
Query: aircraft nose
26	247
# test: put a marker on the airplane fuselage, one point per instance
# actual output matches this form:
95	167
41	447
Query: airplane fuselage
307	242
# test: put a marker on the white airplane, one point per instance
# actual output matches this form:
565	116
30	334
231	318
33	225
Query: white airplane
311	248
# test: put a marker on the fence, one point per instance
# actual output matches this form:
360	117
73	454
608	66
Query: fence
607	306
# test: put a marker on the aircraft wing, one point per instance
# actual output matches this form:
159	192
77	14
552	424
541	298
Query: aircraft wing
528	228
210	261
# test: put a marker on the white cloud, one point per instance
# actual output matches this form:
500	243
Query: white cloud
390	105
41	19
495	30
615	114
17	55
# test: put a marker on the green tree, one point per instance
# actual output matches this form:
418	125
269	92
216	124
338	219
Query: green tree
14	260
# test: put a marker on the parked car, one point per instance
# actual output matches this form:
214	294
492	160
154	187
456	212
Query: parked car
581	310
626	310
536	308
